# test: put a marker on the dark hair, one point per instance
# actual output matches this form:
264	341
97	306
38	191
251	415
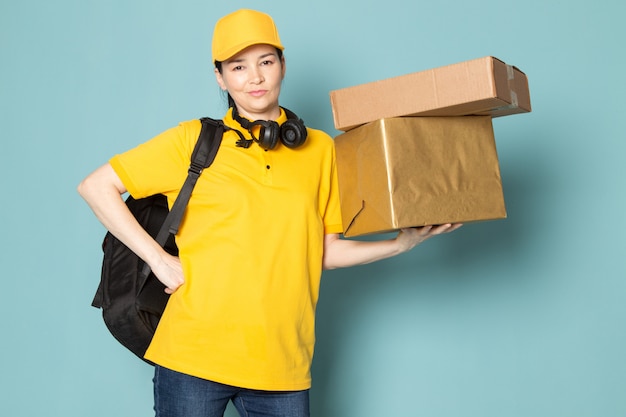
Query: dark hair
218	65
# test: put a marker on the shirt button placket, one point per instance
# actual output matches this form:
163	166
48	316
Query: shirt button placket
267	167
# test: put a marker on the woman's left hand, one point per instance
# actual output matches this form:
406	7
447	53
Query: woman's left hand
408	238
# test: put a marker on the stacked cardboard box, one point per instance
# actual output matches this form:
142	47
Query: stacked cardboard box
399	169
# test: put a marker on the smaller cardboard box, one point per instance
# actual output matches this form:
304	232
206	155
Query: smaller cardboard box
416	171
484	86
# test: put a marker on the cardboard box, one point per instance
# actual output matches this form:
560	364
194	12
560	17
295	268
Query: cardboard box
484	86
416	171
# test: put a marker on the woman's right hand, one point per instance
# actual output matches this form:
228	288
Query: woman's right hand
169	271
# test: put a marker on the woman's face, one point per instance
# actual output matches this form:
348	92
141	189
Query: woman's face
253	78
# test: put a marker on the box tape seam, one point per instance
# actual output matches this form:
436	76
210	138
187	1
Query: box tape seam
510	76
510	71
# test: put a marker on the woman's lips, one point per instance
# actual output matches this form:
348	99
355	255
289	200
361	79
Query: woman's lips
257	93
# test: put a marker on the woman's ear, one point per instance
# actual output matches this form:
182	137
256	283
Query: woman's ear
284	67
220	79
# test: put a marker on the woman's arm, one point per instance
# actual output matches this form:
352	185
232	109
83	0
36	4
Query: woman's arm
103	190
339	253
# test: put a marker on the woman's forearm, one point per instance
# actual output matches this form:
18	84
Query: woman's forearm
102	190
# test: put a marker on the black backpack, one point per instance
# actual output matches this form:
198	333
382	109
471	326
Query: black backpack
132	299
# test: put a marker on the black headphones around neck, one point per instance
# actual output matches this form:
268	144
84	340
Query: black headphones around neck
292	133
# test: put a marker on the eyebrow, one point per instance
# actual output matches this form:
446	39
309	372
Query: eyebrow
260	57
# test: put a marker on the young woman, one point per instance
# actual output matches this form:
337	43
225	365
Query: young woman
262	224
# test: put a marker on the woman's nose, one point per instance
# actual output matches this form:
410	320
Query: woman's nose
256	76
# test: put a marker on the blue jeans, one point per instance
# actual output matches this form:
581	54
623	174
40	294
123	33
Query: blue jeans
181	395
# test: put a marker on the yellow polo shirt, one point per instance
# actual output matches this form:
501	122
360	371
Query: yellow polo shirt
251	247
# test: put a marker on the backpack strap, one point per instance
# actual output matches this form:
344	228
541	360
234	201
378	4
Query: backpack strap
202	157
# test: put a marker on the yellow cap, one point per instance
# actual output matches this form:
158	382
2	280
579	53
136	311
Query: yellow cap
238	30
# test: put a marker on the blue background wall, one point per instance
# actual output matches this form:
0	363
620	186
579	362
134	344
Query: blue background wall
519	317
